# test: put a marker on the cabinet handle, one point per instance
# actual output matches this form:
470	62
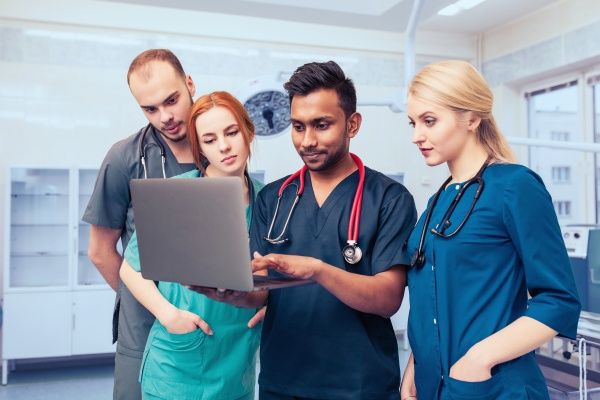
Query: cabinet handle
73	321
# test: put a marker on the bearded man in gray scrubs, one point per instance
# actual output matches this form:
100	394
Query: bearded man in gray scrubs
164	93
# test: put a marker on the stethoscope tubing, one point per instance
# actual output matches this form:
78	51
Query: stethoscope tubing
418	258
355	213
142	151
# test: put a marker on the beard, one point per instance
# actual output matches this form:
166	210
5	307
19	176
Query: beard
182	134
330	159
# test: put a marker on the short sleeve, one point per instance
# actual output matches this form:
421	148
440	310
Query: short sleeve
397	218
110	199
533	227
132	253
258	224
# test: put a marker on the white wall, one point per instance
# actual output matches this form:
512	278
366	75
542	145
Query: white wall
550	22
64	99
556	40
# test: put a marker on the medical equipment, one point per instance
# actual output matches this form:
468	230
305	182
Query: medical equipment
142	151
418	258
583	246
351	252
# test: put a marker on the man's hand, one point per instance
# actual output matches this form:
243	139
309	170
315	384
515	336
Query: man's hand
232	297
295	266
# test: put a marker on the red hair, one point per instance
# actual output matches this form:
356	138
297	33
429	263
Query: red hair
205	103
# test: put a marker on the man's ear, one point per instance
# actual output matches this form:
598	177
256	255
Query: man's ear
189	82
354	124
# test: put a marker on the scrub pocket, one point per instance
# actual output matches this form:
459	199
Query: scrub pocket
489	389
172	364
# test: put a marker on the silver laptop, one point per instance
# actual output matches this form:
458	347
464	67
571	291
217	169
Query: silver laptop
193	231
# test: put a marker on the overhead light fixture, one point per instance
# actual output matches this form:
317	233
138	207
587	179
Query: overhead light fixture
268	105
458	7
82	37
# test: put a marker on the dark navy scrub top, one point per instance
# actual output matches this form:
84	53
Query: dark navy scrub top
476	283
313	345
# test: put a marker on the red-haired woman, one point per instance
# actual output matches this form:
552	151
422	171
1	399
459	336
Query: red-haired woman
199	348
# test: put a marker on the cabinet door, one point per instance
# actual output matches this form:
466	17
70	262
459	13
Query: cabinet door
37	325
92	321
86	272
39	248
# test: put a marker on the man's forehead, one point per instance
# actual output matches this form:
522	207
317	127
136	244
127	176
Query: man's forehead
318	104
153	70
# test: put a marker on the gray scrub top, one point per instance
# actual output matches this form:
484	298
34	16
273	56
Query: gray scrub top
110	206
110	203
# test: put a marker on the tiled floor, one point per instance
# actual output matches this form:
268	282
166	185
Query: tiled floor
87	380
60	382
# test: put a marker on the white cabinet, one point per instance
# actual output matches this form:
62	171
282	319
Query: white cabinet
55	301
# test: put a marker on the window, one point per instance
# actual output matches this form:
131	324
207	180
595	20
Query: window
561	175
562	208
595	82
398	177
555	114
561	136
258	175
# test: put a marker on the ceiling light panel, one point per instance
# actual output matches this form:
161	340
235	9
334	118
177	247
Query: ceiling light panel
372	7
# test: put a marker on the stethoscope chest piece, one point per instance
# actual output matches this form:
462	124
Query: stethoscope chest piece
352	253
418	259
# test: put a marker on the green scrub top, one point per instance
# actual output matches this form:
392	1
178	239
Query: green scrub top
194	365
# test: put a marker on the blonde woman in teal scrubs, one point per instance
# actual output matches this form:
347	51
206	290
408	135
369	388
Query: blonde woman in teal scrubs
199	348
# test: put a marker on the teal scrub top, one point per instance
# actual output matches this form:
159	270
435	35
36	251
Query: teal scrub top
477	282
194	365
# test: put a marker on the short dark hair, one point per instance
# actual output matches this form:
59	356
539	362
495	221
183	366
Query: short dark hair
325	75
148	56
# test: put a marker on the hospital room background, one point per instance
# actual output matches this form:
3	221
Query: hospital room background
64	101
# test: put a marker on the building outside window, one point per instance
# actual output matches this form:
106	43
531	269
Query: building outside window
554	114
561	175
561	136
563	209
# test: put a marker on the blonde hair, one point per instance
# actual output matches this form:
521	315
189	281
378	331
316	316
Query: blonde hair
458	86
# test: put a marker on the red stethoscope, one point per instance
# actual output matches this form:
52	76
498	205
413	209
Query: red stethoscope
352	253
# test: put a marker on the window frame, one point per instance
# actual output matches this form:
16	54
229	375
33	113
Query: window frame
585	122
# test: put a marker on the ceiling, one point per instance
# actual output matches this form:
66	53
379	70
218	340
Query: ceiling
385	15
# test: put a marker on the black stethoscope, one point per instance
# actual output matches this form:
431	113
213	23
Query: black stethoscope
142	151
351	252
418	259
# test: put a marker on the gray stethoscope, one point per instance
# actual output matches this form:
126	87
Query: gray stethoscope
418	259
351	252
142	151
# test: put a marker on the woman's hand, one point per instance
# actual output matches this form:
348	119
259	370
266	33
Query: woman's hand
472	367
408	390
258	317
179	321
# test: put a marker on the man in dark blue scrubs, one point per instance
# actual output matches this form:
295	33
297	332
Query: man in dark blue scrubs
332	339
